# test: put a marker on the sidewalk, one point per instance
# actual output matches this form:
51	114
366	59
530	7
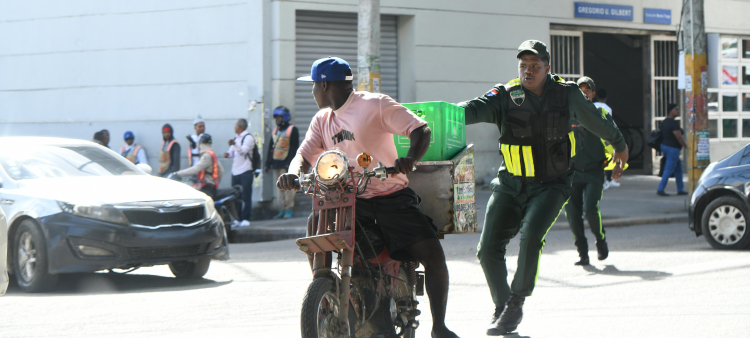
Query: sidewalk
633	203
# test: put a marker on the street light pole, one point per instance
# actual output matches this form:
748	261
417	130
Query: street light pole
696	83
368	46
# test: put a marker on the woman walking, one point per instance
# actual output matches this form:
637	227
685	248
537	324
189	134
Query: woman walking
671	146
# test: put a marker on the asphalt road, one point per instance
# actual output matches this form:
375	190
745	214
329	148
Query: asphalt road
660	281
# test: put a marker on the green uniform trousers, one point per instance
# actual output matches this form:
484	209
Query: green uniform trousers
514	206
588	187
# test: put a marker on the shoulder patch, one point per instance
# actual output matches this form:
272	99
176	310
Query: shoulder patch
492	92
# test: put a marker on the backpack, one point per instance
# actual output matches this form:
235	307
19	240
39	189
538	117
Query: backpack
654	141
255	158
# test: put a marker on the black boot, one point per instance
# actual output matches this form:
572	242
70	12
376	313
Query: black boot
602	249
584	261
510	318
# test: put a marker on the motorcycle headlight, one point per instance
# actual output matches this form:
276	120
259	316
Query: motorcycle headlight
210	208
332	167
98	212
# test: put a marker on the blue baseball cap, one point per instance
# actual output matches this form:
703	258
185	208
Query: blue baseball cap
329	69
129	134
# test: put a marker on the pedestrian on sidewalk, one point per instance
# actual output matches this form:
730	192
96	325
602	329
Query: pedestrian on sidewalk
536	181
193	148
169	157
601	102
99	138
105	138
241	150
671	147
282	148
588	182
132	151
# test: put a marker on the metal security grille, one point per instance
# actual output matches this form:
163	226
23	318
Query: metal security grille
566	51
664	65
321	34
665	62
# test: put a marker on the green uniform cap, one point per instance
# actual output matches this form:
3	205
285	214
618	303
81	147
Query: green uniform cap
587	80
536	47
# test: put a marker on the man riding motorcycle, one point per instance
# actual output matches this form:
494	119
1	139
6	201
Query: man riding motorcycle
207	170
357	122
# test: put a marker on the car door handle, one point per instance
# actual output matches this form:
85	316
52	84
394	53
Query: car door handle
7	202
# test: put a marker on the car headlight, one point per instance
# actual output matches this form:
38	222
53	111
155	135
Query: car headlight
332	167
210	208
99	212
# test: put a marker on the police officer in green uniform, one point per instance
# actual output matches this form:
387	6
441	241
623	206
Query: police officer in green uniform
593	156
533	115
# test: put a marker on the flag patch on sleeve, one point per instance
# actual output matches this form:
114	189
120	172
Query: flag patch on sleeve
492	92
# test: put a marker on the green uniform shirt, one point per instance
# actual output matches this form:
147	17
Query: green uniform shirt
590	154
493	106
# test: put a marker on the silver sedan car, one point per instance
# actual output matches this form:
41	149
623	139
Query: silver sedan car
75	206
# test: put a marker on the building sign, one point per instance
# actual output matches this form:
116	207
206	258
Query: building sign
655	15
603	11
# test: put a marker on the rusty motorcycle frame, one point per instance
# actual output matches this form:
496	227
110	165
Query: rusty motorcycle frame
362	296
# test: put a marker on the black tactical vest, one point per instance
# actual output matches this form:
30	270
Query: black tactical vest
537	146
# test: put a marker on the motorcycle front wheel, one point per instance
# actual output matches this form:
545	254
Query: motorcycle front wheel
320	309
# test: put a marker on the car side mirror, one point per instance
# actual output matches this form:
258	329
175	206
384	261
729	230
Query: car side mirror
145	168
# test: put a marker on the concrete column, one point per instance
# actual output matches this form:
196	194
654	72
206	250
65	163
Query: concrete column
368	46
696	83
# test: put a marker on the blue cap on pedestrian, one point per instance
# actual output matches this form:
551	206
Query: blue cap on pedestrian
129	134
329	69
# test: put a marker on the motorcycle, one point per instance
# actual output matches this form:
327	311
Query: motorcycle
367	294
223	198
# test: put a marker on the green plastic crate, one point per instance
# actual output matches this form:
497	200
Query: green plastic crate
446	120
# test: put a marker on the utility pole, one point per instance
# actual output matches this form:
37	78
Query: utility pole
696	84
368	46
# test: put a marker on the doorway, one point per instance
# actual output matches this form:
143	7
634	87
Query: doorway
615	63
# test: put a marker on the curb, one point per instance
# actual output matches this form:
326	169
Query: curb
624	222
269	233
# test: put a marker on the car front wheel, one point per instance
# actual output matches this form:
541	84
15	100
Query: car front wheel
190	269
30	259
724	224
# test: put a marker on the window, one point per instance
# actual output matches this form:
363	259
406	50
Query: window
729	102
745	160
729	48
729	75
713	102
729	128
713	128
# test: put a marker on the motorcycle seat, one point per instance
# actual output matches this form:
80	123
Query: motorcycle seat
222	193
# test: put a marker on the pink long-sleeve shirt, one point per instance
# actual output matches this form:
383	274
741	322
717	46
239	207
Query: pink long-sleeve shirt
365	123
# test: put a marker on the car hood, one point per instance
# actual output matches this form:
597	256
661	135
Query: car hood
99	190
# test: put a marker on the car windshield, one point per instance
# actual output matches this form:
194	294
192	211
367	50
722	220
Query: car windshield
34	162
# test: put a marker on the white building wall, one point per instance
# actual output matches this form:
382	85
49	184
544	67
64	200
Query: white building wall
71	68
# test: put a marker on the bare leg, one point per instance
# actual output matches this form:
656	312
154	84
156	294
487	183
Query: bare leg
430	254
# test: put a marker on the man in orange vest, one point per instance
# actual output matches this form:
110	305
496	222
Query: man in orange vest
208	170
169	157
132	151
281	150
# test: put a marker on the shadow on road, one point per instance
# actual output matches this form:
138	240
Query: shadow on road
611	270
515	335
108	283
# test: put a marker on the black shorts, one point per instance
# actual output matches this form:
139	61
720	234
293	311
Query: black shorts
398	219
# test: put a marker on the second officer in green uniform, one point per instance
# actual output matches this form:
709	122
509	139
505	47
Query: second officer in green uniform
593	157
533	115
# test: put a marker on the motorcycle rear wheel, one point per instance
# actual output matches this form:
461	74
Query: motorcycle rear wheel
319	309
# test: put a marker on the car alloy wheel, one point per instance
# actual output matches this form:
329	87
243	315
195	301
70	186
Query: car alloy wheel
26	256
727	224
